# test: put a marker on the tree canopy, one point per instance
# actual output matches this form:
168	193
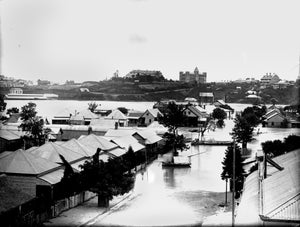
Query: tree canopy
242	130
228	170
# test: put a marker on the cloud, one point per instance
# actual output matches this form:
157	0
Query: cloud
135	38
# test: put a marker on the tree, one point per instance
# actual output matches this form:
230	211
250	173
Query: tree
219	114
228	170
107	179
242	131
252	116
12	110
92	106
173	117
32	124
2	103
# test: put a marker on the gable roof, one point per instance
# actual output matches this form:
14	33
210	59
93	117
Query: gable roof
281	190
87	114
274	115
134	114
23	162
127	141
154	112
10	135
78	147
51	152
94	142
116	114
120	132
198	111
149	136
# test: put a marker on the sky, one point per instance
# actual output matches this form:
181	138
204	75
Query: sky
82	40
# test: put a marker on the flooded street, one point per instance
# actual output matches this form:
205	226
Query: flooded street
182	196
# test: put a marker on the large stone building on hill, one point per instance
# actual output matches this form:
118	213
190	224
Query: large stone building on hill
197	77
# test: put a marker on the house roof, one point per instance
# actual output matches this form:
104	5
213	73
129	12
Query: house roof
149	136
78	147
104	123
134	114
273	115
281	189
94	142
198	111
116	114
276	197
221	102
159	129
10	135
14	118
23	162
51	151
53	177
153	112
87	114
120	132
127	141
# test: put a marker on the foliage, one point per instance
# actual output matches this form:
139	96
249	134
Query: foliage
242	131
2	103
32	124
129	159
177	141
107	179
219	114
277	147
92	106
252	115
228	164
28	111
12	110
173	117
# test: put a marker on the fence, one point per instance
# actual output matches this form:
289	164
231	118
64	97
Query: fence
38	210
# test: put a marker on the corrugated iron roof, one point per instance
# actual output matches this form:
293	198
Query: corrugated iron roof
78	147
23	162
51	151
149	136
53	177
281	189
95	142
116	114
127	141
10	135
120	132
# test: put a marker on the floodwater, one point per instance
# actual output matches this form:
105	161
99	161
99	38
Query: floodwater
180	196
170	196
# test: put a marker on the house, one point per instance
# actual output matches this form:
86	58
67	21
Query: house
51	152
149	139
118	115
133	117
10	140
149	116
206	97
25	170
196	115
219	103
274	118
269	79
271	195
159	129
128	141
94	142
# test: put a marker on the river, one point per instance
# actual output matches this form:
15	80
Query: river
170	196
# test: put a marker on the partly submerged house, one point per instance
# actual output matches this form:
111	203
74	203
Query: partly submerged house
119	116
195	115
149	116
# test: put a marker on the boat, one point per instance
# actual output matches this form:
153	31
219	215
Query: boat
178	161
12	96
211	142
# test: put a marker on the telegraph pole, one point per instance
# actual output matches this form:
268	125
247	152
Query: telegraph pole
233	182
